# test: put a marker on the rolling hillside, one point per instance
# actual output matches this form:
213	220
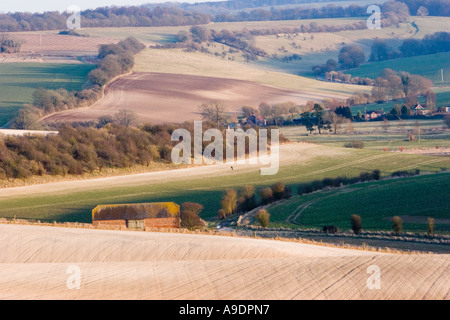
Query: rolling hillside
136	265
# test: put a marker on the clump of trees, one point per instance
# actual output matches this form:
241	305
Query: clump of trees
316	119
394	85
351	57
8	45
116	59
190	215
111	142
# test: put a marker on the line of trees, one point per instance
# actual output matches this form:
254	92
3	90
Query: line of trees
394	13
244	200
429	44
351	56
177	15
416	7
197	36
397	85
132	16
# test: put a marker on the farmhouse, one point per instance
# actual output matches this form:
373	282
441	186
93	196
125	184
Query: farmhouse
142	216
420	110
369	115
254	120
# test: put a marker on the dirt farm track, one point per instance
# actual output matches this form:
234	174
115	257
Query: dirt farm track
162	97
39	262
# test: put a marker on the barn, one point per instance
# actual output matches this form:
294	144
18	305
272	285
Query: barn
139	216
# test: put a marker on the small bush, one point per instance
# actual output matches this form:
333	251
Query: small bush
447	120
189	215
397	224
266	195
263	217
278	190
356	224
354	144
376	174
229	202
330	229
430	226
221	215
405	173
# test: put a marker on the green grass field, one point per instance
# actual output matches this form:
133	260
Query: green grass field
76	205
19	80
413	198
428	66
374	136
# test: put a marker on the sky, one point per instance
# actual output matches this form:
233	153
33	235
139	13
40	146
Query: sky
62	5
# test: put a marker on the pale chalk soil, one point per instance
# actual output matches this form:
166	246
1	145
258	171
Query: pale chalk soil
39	262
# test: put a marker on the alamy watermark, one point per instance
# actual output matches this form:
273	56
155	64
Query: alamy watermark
74	20
374	280
73	282
235	140
374	21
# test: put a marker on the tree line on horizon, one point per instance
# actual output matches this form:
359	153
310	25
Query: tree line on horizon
173	14
432	7
132	16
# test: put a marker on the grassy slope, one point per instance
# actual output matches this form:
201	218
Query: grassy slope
428	66
177	61
324	46
19	80
376	203
330	162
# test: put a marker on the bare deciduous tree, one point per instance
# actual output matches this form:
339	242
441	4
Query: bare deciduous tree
213	111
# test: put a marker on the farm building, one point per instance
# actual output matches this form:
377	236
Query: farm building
369	115
419	110
142	216
254	120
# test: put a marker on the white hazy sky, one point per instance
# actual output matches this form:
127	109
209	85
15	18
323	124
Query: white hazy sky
62	5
